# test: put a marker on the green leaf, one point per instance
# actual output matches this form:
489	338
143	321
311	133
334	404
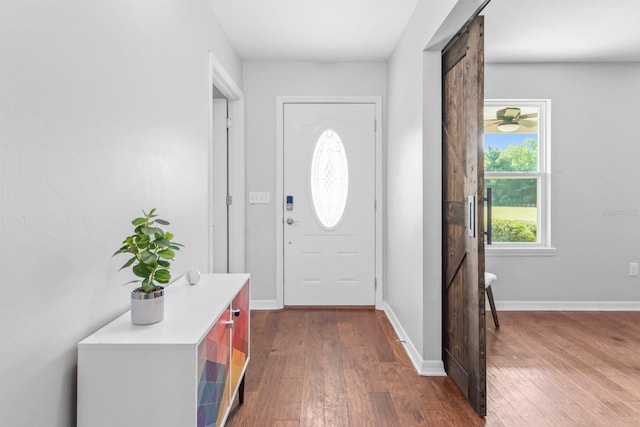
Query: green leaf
148	258
139	221
152	211
147	287
175	247
150	231
142	270
163	263
128	263
162	276
162	243
168	235
121	250
161	221
142	241
166	254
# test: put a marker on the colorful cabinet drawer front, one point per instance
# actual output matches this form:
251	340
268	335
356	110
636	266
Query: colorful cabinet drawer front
240	351
214	354
222	357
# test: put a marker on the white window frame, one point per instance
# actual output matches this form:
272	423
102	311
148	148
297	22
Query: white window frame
543	246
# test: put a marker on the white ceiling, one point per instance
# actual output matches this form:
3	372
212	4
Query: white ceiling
364	30
313	30
562	31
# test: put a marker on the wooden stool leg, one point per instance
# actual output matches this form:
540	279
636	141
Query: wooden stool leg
492	304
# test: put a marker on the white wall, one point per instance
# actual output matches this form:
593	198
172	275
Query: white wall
414	227
263	82
595	199
103	112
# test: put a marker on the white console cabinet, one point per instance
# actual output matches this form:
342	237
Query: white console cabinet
183	371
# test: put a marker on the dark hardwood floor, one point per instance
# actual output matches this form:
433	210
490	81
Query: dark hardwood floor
316	367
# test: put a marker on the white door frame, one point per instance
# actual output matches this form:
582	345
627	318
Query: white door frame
219	77
279	195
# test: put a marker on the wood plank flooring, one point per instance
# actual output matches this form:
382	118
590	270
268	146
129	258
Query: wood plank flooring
328	367
565	369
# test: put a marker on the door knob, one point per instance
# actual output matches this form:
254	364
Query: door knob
291	221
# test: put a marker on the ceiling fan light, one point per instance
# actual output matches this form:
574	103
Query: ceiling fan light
508	127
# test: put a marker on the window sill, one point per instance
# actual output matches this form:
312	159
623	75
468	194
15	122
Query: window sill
493	251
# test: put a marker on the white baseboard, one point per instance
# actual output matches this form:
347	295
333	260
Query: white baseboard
568	305
427	368
264	304
432	368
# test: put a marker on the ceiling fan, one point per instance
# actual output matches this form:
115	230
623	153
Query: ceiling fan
510	119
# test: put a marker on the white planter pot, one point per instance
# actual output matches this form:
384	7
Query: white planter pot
147	308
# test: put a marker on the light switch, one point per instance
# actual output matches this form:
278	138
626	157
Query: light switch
259	198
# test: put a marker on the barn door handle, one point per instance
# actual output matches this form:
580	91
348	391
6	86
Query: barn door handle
471	210
489	200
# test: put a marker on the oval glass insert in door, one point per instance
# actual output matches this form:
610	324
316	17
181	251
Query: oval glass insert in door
329	179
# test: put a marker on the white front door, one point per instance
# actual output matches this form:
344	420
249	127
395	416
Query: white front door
329	209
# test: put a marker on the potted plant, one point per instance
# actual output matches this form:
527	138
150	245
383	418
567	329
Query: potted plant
153	249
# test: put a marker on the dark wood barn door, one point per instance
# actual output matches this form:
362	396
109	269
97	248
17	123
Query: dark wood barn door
463	239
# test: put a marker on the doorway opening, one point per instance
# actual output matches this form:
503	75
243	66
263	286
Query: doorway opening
221	198
226	172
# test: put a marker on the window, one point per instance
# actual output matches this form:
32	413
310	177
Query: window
329	179
516	169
